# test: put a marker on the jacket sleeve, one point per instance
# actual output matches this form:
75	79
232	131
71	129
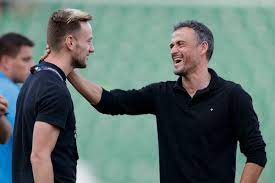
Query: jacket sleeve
247	127
131	102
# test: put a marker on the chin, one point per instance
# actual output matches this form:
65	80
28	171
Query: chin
81	66
179	73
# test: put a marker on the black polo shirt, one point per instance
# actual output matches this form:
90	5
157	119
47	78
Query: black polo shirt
197	136
45	97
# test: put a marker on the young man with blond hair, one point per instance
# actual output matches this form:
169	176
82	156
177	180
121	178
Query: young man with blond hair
45	134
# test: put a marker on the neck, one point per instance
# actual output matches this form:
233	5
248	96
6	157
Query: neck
6	73
63	61
197	80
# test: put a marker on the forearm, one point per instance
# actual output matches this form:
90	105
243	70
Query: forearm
251	173
42	169
91	91
5	129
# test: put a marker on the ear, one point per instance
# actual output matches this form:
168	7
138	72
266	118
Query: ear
6	62
70	42
203	48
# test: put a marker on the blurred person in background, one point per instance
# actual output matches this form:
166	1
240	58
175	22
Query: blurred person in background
200	117
15	63
5	129
45	127
5	5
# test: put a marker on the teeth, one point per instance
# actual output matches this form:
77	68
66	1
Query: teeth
177	60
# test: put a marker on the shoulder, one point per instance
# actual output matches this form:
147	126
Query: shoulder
45	84
8	89
162	85
48	76
229	85
236	90
48	80
158	87
8	84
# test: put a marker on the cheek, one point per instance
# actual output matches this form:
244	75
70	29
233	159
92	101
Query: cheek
17	67
16	71
184	51
190	53
87	47
82	49
23	68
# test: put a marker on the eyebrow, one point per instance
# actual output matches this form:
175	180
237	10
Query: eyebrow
181	41
177	42
27	58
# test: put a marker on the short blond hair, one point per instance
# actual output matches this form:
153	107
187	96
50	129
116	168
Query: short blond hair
63	22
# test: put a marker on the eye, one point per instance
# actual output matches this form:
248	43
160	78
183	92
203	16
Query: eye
90	39
28	59
171	46
181	43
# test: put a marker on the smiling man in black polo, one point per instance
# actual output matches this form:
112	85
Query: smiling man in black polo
200	117
44	148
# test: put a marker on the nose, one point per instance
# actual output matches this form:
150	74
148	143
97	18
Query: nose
174	49
92	49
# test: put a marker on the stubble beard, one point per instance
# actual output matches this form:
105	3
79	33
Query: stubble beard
78	62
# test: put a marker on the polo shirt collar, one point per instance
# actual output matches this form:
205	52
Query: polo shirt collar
214	82
47	64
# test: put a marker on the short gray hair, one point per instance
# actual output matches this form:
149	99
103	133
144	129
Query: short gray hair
203	34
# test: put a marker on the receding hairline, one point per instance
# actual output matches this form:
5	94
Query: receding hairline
178	31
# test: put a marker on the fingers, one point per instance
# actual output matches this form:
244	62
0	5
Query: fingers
3	105
46	52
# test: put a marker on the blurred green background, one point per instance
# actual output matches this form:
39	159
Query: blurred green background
132	50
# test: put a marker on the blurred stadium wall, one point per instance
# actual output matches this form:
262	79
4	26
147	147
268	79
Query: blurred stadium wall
132	50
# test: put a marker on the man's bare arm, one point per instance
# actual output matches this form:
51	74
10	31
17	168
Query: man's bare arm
44	140
251	173
91	91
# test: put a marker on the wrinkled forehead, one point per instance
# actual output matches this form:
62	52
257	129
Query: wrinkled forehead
185	34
